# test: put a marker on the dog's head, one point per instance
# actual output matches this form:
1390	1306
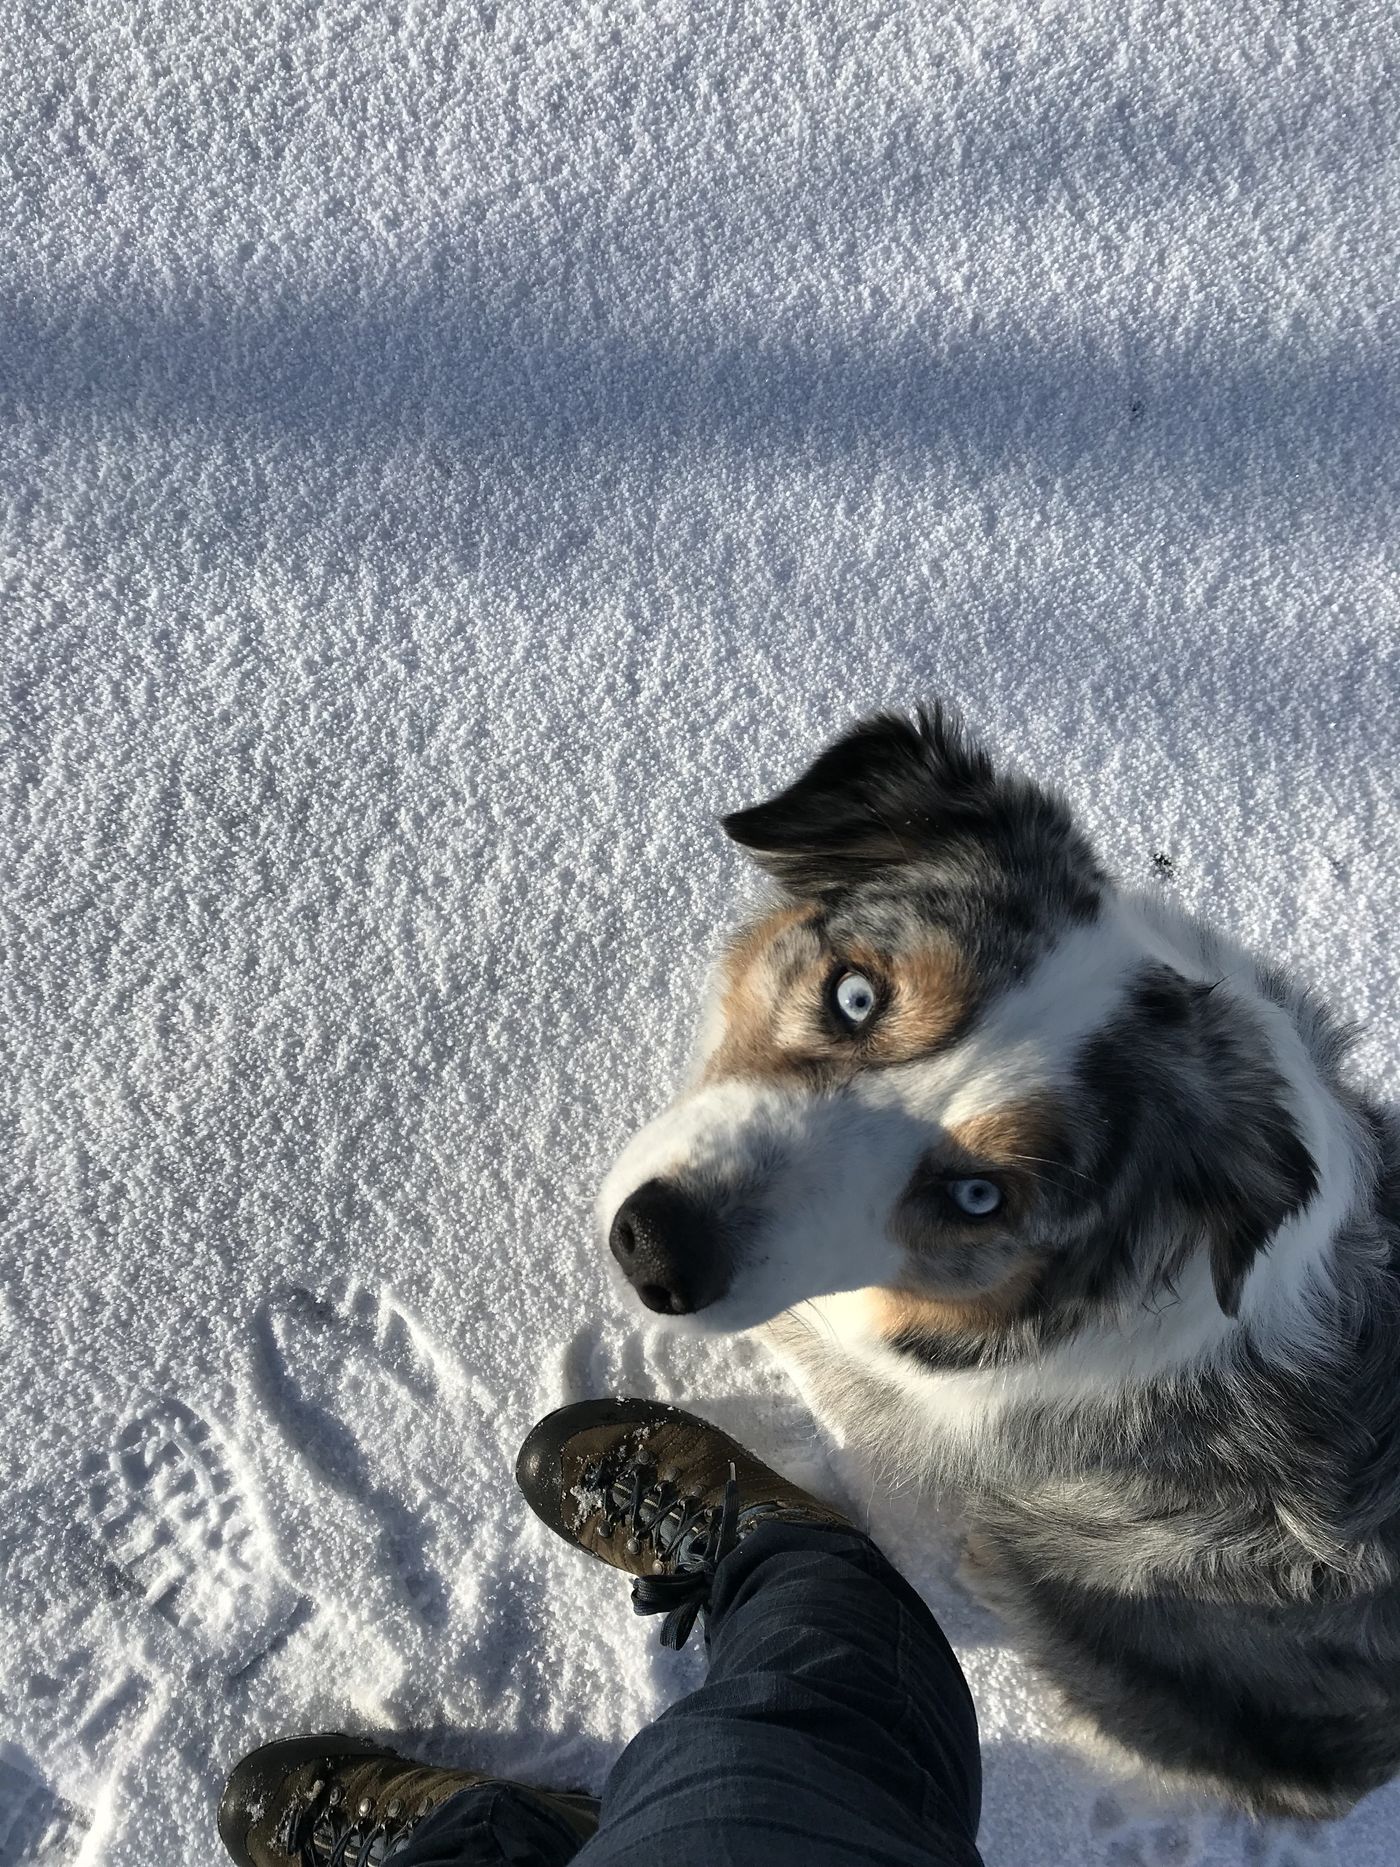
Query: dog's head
949	1065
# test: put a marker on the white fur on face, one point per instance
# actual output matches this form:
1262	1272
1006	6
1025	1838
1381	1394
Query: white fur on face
808	1179
804	1185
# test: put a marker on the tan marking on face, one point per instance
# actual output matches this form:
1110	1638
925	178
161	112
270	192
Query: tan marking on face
1021	1137
931	990
773	1010
912	1312
772	976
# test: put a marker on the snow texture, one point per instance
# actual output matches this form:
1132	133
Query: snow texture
451	452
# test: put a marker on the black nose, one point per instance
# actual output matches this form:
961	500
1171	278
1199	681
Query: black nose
669	1248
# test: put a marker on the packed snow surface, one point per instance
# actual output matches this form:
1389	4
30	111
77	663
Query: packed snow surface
450	453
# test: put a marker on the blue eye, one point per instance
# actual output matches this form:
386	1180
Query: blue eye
976	1198
855	997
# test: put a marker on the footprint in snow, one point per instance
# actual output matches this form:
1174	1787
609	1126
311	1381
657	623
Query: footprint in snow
180	1520
382	1416
37	1827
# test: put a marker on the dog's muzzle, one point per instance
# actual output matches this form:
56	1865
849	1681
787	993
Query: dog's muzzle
671	1249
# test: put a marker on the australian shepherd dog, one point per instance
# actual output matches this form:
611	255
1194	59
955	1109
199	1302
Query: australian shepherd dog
1055	1196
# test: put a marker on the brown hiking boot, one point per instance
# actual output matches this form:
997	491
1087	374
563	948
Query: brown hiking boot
327	1800
657	1493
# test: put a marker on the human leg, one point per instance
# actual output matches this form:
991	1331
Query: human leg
835	1725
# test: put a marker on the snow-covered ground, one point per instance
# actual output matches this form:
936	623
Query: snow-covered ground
450	452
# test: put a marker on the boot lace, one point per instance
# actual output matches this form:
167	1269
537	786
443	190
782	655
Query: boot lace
691	1537
321	1831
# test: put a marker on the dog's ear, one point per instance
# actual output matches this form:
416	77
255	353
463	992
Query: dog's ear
891	791
1272	1176
1239	1163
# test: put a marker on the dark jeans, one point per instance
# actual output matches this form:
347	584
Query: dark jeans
835	1727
